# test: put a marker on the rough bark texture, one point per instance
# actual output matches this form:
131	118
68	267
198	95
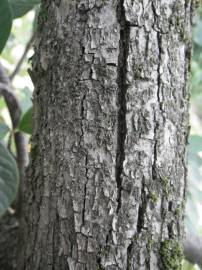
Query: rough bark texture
107	177
9	229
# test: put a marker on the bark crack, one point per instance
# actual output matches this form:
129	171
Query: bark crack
85	190
159	41
86	158
159	67
82	118
129	255
154	173
142	209
121	99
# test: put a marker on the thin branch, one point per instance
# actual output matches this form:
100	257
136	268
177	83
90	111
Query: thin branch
12	103
19	64
15	114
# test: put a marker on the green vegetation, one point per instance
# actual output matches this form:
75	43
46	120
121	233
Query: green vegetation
14	60
171	254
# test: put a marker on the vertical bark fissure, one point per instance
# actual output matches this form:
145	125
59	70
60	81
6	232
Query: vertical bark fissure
156	126
159	41
140	225
86	159
121	99
154	174
129	254
85	190
142	209
82	117
99	263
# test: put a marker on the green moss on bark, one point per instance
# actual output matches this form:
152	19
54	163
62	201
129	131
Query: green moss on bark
171	255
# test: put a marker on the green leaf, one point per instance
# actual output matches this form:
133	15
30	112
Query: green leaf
4	129
21	7
2	103
25	99
9	179
25	124
188	266
5	22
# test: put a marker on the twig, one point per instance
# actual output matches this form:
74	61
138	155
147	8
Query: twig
12	103
10	141
19	64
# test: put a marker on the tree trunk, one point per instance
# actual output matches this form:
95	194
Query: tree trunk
9	229
107	179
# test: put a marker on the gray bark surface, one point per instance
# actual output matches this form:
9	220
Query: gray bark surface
9	229
107	179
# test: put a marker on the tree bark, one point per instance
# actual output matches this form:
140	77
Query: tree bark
9	230
107	180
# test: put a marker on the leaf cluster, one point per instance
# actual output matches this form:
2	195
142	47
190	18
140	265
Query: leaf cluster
10	10
9	171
